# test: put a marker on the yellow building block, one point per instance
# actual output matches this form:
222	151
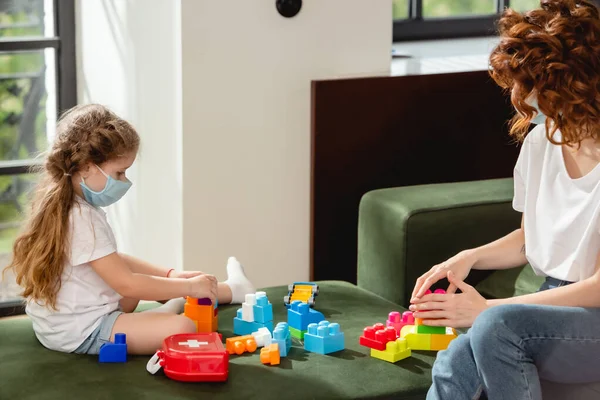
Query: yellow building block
441	342
406	329
394	351
418	341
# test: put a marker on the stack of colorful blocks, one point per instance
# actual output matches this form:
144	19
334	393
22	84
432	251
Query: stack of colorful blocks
300	315
204	314
256	313
403	334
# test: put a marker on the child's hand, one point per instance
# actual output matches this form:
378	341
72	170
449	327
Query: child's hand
185	274
204	285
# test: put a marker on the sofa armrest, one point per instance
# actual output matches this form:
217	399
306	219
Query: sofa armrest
402	232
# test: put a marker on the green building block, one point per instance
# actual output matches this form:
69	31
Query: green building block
298	334
435	330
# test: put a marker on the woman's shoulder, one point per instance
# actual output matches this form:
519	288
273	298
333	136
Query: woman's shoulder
537	137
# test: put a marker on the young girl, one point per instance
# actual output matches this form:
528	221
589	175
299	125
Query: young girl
80	290
549	59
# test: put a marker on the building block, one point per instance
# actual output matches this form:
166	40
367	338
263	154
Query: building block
441	342
397	322
262	337
114	352
204	314
395	351
377	336
300	315
324	338
248	307
197	312
283	338
438	330
302	291
270	354
241	327
263	309
418	341
241	344
295	333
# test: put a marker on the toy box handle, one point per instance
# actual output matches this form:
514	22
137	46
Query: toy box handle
154	364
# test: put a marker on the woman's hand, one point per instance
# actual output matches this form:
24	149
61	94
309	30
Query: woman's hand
185	274
202	286
450	309
460	264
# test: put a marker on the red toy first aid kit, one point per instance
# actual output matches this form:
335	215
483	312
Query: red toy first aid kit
192	357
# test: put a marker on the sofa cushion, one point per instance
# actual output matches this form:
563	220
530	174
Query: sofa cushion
28	371
510	282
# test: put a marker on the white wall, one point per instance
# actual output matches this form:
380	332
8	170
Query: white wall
129	59
246	123
220	92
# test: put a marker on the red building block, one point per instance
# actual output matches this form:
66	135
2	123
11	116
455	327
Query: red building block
377	336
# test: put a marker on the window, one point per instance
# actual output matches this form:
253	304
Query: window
37	82
440	19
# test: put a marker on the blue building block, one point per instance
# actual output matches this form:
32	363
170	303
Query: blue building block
114	352
263	309
300	315
282	336
324	338
241	327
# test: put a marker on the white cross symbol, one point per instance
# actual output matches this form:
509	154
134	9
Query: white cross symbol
192	343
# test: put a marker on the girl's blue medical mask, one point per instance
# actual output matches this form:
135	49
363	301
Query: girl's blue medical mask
539	118
112	192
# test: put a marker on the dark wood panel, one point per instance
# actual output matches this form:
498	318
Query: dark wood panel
396	131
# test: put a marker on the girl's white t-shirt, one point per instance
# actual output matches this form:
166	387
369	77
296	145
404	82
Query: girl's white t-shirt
84	298
561	214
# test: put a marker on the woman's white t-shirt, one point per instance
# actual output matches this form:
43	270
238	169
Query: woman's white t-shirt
84	298
561	214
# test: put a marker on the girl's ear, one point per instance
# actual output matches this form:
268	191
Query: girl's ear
85	170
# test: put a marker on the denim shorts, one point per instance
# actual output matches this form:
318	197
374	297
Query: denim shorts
100	335
551	283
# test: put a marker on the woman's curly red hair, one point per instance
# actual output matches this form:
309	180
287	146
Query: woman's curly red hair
552	53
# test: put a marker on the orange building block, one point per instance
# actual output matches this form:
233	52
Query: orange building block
270	354
205	317
241	344
441	342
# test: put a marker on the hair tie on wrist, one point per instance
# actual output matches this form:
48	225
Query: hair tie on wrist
169	272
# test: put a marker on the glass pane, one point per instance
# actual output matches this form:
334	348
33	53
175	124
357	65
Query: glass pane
27	103
14	197
400	9
26	18
457	8
524	5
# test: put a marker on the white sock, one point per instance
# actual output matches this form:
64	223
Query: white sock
238	281
173	306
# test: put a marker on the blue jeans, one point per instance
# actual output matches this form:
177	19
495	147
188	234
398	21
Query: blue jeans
511	347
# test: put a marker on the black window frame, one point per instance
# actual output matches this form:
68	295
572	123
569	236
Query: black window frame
416	27
63	42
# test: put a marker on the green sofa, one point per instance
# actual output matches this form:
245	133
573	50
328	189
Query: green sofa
405	231
402	232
